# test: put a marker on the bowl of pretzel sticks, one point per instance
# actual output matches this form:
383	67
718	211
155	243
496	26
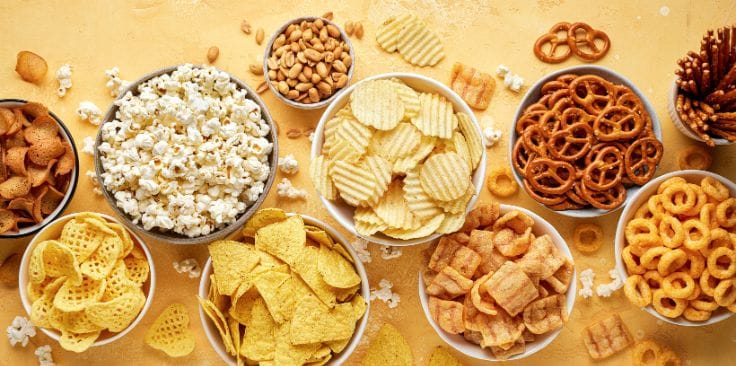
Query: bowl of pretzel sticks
584	140
702	101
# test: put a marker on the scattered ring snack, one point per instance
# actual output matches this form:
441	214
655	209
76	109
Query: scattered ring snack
679	250
694	157
583	143
36	168
588	238
501	183
497	283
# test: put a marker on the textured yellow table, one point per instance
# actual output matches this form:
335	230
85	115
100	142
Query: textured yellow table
143	35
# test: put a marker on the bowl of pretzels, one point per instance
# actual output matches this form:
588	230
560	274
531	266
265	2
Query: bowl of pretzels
584	140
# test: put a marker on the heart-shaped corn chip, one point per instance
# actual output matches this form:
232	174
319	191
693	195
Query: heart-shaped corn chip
77	342
117	314
59	261
137	268
170	332
78	322
82	238
101	262
74	298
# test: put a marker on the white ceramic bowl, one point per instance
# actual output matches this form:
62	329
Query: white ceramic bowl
52	231
341	211
67	136
534	93
681	126
267	53
541	227
170	236
214	336
692	176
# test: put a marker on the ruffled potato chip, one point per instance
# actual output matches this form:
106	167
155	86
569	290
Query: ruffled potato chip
435	117
419	45
387	34
394	210
445	177
377	104
319	171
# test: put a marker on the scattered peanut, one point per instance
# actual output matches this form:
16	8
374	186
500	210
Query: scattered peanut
295	133
262	87
259	36
328	15
256	69
309	61
245	26
212	54
349	28
358	30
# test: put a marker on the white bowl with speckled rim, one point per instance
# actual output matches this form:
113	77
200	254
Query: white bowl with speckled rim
532	96
213	336
52	232
341	211
641	198
458	342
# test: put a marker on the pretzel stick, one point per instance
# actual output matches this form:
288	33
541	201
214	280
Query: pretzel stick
728	79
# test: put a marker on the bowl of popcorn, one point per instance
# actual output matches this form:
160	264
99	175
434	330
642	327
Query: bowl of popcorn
398	159
86	280
286	287
502	287
39	169
584	140
675	247
308	61
186	154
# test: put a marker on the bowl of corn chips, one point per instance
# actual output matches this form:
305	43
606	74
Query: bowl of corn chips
501	288
680	266
86	280
287	289
398	159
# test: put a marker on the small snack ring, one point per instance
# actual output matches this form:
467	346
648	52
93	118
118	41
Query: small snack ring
715	189
704	304
652	256
678	285
721	263
708	216
671	261
637	290
655	206
670	231
646	353
668	357
501	183
697	234
641	232
700	201
694	157
695	315
588	238
654	279
725	293
679	198
708	283
695	264
632	261
666	305
726	213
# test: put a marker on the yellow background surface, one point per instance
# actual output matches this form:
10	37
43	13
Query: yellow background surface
140	36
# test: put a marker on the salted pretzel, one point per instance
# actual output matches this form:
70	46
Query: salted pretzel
555	43
641	159
582	38
584	142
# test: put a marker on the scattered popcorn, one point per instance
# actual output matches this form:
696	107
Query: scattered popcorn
188	153
64	77
115	83
605	290
361	249
44	356
389	253
510	80
664	11
89	145
385	294
20	331
95	184
286	190
189	266
586	279
89	112
491	136
288	164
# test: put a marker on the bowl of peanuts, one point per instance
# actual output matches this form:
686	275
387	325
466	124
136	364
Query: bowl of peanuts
675	246
308	61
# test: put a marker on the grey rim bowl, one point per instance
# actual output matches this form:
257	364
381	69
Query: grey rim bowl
532	96
171	237
681	126
68	195
307	106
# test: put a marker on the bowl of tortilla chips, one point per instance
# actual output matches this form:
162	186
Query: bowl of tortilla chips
287	289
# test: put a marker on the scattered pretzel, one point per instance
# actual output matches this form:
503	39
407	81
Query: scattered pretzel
578	38
583	142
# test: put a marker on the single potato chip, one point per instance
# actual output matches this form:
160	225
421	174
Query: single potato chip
475	87
388	348
425	229
387	34
396	143
170	332
405	164
472	137
420	203
376	103
394	210
319	171
410	98
381	170
418	45
355	183
445	177
435	117
358	135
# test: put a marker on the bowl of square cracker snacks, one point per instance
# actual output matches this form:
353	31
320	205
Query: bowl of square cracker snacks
502	287
675	245
398	159
584	140
290	290
86	280
39	170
